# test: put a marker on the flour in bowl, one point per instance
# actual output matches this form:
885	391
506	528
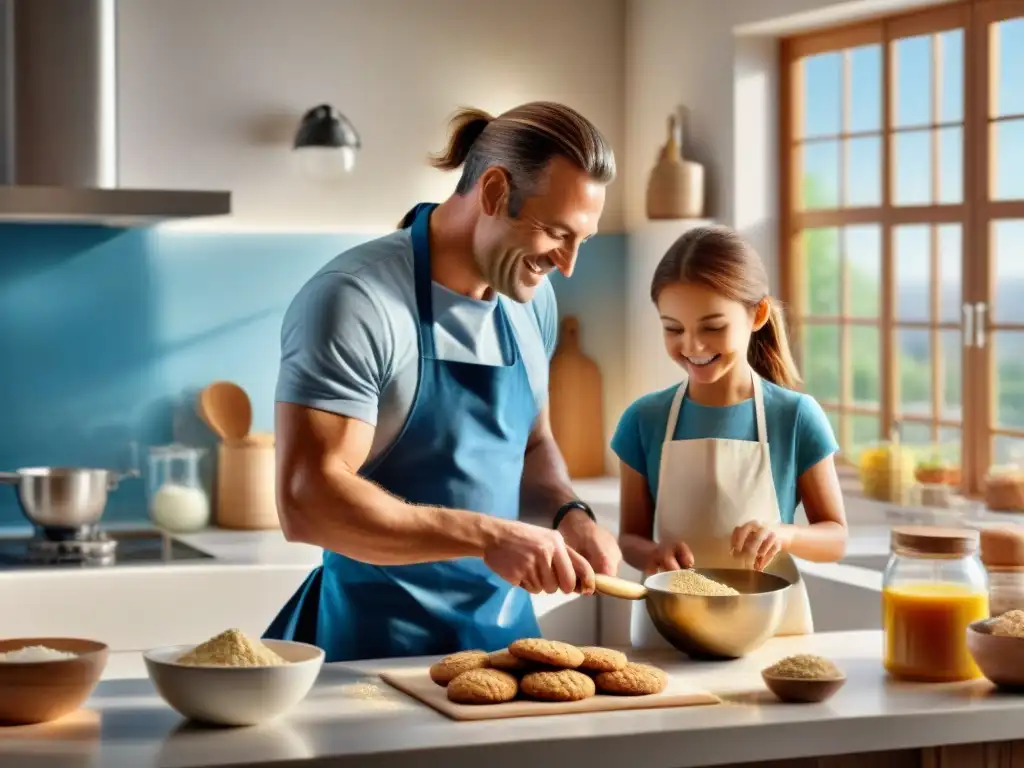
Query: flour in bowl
32	653
692	583
231	649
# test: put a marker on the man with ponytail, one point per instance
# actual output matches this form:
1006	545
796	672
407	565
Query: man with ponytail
412	418
714	468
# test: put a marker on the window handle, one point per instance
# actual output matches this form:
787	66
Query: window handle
968	313
980	308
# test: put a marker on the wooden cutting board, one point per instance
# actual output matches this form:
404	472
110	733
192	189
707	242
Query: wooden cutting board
577	418
417	683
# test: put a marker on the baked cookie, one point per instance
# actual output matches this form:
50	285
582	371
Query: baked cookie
559	685
447	669
550	652
483	686
632	680
602	659
504	660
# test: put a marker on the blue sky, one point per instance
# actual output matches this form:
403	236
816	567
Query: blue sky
823	116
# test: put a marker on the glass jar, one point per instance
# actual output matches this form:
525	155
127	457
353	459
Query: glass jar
177	500
934	587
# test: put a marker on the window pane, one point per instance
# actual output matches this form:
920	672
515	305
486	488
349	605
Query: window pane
916	433
1009	383
821	255
865	88
1007	450
1008	39
821	361
914	364
821	174
864	270
913	63
864	172
823	87
951	47
950	271
950	374
951	165
913	272
912	163
833	419
1008	159
950	445
866	432
1008	265
866	365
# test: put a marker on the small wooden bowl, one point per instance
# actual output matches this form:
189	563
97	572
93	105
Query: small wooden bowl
40	691
793	690
1001	659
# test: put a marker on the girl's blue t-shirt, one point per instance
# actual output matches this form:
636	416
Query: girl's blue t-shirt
799	435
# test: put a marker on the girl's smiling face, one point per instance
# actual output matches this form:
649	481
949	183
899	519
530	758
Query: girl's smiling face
706	333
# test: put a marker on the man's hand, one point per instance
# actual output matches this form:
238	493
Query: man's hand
538	560
597	545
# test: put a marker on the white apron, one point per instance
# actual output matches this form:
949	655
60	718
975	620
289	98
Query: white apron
707	488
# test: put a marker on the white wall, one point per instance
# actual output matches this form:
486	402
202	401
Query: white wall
719	61
211	92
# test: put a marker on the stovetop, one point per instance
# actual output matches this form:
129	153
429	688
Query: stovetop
118	547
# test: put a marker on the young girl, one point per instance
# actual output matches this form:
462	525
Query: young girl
714	468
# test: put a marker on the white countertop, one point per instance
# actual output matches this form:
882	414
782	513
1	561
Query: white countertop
126	724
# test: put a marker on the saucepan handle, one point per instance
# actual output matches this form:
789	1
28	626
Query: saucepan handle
613	586
10	478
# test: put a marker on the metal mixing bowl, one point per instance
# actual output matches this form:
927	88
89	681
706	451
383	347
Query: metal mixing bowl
725	627
62	498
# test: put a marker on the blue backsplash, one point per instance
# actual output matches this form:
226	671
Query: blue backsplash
108	334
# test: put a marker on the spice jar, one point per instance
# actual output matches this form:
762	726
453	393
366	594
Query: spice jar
934	587
1002	553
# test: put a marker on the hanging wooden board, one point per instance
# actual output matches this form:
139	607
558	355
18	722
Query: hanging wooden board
577	417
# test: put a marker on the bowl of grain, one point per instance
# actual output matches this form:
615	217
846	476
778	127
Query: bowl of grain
803	679
43	678
232	679
997	646
709	613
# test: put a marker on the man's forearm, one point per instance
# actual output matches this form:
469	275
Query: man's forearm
350	515
546	485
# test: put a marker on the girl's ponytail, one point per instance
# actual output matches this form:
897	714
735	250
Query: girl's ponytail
769	354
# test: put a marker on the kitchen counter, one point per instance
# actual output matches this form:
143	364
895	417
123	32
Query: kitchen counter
352	719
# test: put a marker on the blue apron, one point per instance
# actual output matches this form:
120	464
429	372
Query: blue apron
462	446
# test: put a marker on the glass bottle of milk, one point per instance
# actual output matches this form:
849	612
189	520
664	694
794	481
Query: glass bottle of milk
177	501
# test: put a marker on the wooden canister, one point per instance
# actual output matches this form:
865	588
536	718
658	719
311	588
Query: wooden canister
675	189
246	498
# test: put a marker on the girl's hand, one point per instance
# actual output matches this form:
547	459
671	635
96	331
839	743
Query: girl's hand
673	556
758	541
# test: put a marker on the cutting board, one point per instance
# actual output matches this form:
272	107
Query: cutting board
417	683
577	418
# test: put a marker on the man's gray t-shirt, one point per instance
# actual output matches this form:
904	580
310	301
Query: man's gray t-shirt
350	342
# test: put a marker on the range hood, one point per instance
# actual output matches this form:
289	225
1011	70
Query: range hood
58	122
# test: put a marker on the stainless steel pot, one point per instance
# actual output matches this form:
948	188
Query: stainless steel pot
63	497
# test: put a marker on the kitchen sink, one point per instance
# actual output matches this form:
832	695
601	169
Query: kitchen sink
871	562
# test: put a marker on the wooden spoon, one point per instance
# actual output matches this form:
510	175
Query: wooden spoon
226	409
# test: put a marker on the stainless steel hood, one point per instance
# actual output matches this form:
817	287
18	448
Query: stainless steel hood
58	122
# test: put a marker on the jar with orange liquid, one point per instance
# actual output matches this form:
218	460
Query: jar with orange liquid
934	587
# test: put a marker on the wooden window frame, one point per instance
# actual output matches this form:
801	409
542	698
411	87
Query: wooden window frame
975	215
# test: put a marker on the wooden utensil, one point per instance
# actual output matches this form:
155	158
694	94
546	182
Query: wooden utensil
226	408
577	418
417	683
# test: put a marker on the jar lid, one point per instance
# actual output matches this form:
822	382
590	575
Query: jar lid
176	451
1003	546
929	540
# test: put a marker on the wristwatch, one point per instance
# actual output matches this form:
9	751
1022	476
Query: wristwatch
568	507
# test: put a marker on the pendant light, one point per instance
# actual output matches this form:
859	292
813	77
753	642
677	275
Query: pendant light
326	143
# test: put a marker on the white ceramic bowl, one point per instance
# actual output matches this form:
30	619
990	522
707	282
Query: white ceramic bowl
235	695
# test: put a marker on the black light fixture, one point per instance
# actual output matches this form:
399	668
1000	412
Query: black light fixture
327	142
